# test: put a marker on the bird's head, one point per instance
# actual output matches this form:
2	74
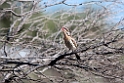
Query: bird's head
66	31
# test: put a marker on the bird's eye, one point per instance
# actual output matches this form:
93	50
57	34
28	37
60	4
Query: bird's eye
68	33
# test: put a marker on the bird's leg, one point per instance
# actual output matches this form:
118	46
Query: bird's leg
70	51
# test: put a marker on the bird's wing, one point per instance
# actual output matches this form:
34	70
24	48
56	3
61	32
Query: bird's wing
73	42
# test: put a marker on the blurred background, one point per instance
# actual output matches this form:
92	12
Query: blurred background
31	37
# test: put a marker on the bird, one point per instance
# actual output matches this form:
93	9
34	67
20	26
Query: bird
70	42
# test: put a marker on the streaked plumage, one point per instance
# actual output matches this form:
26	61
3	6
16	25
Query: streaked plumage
70	41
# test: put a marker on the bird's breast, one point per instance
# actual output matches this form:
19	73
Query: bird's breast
69	43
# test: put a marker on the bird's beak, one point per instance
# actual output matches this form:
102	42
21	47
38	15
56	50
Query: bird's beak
62	29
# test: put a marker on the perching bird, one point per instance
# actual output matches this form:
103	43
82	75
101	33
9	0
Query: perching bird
70	41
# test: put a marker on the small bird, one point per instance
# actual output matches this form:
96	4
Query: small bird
70	41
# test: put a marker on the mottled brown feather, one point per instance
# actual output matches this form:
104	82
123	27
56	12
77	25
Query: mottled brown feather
70	42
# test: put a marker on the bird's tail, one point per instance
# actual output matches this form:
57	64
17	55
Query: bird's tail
77	56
